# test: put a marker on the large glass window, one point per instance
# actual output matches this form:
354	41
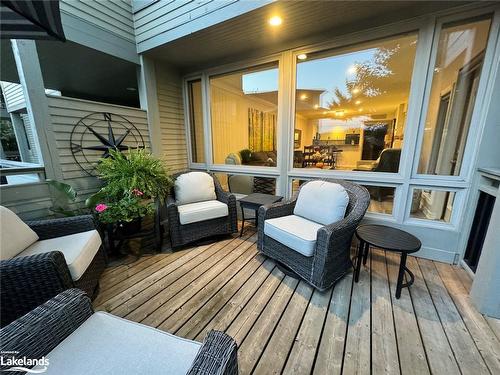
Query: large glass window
243	107
454	87
381	197
432	204
350	109
196	121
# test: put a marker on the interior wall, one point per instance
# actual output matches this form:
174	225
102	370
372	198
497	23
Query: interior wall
171	110
229	115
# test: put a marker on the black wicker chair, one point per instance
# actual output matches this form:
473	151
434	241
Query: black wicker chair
37	333
27	282
183	234
331	258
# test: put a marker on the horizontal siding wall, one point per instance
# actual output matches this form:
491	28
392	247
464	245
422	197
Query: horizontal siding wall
114	16
28	201
163	21
13	95
34	200
171	111
65	113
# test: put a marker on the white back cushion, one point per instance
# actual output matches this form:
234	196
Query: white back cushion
15	235
321	201
194	187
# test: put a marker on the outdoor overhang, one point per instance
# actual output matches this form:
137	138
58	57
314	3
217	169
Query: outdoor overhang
79	71
31	20
304	22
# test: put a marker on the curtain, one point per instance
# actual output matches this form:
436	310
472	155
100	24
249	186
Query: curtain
262	130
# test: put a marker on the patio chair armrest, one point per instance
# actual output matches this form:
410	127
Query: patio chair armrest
172	211
271	211
334	241
278	209
217	356
29	281
51	228
39	331
222	195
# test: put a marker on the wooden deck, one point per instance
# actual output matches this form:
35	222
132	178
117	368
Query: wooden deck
282	325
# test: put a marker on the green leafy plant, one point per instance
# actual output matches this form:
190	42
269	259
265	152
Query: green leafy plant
63	196
136	169
127	209
132	181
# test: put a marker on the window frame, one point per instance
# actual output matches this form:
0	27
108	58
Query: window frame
427	29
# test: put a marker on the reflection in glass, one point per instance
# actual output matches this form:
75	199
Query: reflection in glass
196	121
454	88
381	197
244	116
432	204
350	110
242	185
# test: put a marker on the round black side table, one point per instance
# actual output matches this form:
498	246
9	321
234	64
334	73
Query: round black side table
390	239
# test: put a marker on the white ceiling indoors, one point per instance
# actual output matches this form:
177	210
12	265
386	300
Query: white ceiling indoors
303	22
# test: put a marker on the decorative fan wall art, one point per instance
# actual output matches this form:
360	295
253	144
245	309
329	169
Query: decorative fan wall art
96	134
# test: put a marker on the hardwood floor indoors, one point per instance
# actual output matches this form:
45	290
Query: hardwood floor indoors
283	325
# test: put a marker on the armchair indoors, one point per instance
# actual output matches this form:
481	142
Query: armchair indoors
75	340
40	259
198	207
312	233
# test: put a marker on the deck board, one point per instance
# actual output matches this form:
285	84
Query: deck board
284	326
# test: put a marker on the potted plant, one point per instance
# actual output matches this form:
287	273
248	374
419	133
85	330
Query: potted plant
132	181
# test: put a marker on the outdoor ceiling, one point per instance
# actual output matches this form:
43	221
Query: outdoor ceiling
79	71
304	22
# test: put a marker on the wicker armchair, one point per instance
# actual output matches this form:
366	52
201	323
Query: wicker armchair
28	281
183	234
43	330
331	257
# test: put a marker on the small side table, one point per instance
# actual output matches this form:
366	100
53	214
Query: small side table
253	202
390	239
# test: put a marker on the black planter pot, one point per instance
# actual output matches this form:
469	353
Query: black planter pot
130	227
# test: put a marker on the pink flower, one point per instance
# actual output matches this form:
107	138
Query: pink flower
101	207
137	192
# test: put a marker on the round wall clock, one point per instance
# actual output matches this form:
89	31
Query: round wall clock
96	134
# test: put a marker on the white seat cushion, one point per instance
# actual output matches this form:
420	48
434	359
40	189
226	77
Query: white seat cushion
295	232
79	249
201	211
194	187
107	345
321	201
15	235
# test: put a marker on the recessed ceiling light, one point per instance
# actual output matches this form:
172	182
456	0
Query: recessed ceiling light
302	56
303	97
131	89
275	21
357	102
360	110
316	106
355	91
